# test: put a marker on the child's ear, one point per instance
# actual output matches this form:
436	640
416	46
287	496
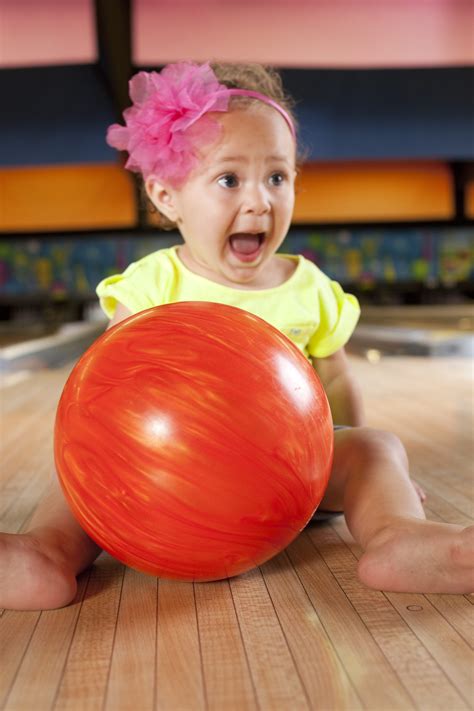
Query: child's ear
162	198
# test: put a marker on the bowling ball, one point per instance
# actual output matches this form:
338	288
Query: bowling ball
193	441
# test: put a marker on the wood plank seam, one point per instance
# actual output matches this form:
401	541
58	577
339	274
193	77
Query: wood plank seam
252	680
96	575
113	641
253	606
443	670
327	631
27	644
435	601
391	598
155	674
323	627
78	600
287	643
376	641
88	574
203	676
412	631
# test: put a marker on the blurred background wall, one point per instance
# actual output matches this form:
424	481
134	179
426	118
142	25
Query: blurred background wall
385	102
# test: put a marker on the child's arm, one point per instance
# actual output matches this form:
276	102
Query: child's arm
121	313
342	390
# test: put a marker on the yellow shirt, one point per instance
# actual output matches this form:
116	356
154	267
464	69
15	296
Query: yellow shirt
309	308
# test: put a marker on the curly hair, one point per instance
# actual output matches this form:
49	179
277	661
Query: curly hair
253	77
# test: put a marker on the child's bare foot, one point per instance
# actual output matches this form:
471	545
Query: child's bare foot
31	577
415	555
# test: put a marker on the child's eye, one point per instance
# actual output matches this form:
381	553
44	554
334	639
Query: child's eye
228	181
277	178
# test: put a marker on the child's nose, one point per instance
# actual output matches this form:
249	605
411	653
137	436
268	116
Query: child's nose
256	199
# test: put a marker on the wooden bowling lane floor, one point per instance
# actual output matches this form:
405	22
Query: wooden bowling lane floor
299	633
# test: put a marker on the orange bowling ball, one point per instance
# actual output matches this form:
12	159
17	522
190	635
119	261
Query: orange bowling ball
193	441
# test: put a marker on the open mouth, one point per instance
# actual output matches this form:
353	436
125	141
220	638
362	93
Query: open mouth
246	246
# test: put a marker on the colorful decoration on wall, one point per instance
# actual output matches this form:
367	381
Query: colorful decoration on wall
367	257
71	266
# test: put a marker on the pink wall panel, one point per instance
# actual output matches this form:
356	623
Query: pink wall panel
306	33
46	32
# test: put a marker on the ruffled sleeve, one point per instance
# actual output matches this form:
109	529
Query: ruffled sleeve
338	314
142	285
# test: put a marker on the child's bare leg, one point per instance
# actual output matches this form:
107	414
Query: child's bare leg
38	568
402	550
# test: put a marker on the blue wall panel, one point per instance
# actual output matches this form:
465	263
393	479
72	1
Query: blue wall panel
60	114
54	115
385	114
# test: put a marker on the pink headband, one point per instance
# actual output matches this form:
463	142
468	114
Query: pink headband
168	119
266	100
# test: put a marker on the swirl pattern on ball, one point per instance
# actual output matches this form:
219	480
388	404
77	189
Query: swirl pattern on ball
193	441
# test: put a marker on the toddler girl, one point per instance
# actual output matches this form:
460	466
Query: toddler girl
216	148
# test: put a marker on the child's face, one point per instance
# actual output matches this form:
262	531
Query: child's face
235	209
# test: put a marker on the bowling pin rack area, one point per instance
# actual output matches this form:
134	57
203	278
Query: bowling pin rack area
298	633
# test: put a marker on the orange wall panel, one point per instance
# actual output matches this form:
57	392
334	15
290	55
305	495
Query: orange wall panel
469	200
374	192
72	197
84	197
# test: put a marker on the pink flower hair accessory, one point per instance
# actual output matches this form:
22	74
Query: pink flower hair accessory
162	132
167	123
